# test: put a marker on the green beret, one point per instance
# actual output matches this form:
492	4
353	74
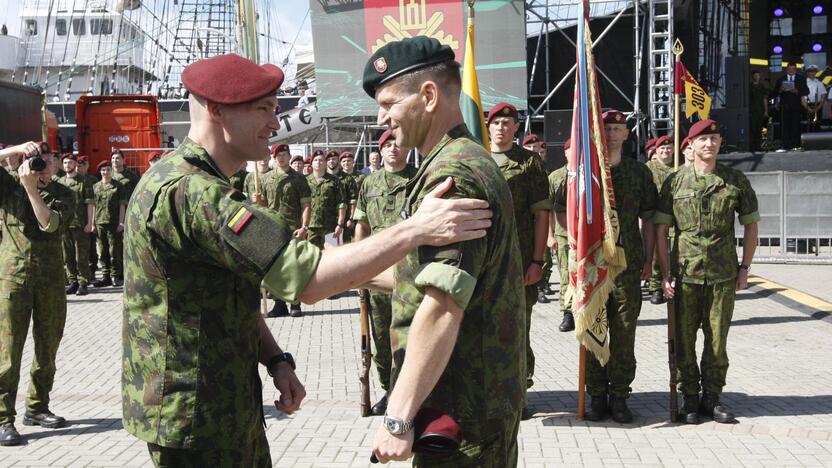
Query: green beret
400	57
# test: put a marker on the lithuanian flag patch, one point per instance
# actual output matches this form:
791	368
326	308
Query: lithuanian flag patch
239	220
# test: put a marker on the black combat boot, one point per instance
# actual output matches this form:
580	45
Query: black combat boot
548	289
712	408
44	419
278	310
82	290
619	411
118	281
568	323
690	409
295	311
380	408
597	409
72	289
657	298
541	296
9	435
104	281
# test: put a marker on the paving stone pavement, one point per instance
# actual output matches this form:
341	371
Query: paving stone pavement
779	384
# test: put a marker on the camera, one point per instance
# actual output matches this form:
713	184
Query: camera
36	162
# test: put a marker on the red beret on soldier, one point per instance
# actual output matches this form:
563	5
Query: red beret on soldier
648	147
81	158
231	79
346	155
68	156
531	139
384	137
703	127
684	144
502	109
103	164
296	157
308	159
278	148
613	116
331	154
661	141
316	152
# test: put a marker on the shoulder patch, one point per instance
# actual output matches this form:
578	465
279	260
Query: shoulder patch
239	220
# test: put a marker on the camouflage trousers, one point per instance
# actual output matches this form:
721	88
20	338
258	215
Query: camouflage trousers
316	237
548	263
486	444
253	453
42	301
381	311
531	300
76	255
563	270
109	250
93	254
623	308
711	307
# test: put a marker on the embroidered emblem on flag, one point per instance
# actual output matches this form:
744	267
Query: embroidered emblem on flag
239	220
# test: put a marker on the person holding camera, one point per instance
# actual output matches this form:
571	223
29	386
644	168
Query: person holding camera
33	208
110	205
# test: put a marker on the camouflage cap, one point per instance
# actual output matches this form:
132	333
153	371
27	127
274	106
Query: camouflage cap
401	57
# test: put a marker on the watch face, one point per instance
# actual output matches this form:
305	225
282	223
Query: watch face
392	425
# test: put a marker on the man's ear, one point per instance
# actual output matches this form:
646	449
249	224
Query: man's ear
216	111
429	92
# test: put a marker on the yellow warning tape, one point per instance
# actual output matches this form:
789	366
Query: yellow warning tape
797	296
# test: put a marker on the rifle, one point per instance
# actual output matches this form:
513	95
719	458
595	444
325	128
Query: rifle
671	356
366	351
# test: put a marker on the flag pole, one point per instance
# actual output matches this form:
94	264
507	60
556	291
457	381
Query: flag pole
581	382
678	48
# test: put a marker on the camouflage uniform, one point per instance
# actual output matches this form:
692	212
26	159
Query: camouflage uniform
557	194
108	199
701	207
238	179
76	242
327	198
529	188
93	253
128	178
660	172
196	254
248	185
31	288
483	385
380	203
287	193
350	187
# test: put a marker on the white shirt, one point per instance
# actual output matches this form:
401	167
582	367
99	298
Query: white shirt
816	90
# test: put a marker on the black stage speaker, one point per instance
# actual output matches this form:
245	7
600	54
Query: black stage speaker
734	123
816	141
557	127
737	80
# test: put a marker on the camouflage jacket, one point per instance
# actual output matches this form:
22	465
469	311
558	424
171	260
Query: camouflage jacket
486	375
28	252
349	182
238	180
287	193
557	197
195	254
659	170
128	178
529	187
248	184
108	199
701	208
381	198
82	195
327	198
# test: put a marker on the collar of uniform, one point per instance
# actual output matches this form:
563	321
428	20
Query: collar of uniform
195	154
460	131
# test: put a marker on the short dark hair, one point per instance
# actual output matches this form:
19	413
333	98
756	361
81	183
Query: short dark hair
446	74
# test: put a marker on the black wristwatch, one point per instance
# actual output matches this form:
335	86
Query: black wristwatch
282	357
745	267
539	263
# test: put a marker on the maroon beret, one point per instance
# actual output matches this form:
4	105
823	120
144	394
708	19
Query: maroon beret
346	155
231	79
703	127
296	157
331	154
649	145
278	148
317	152
68	156
662	140
308	159
684	144
613	116
82	159
502	109
154	155
530	139
436	432
568	144
384	137
103	164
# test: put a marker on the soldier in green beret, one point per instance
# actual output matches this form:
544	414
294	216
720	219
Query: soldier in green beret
77	233
33	210
700	201
197	253
458	341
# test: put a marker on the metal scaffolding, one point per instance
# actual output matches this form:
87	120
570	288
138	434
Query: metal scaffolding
661	66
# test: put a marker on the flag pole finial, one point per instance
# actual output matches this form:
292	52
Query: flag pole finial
678	48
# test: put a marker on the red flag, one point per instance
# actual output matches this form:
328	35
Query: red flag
592	222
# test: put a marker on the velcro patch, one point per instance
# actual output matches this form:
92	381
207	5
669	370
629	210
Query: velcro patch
239	220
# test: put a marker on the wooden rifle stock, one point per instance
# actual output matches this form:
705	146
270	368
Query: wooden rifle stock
366	351
671	356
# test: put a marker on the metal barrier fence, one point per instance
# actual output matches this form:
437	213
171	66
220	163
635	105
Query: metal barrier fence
795	217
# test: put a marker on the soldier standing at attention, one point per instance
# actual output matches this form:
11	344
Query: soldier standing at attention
557	191
76	240
307	164
380	203
687	151
288	194
33	208
329	204
333	166
83	171
110	206
262	168
635	198
660	165
459	343
526	177
349	182
128	177
533	143
700	202
297	163
238	179
197	252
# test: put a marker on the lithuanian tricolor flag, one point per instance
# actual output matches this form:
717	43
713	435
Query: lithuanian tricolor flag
469	99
